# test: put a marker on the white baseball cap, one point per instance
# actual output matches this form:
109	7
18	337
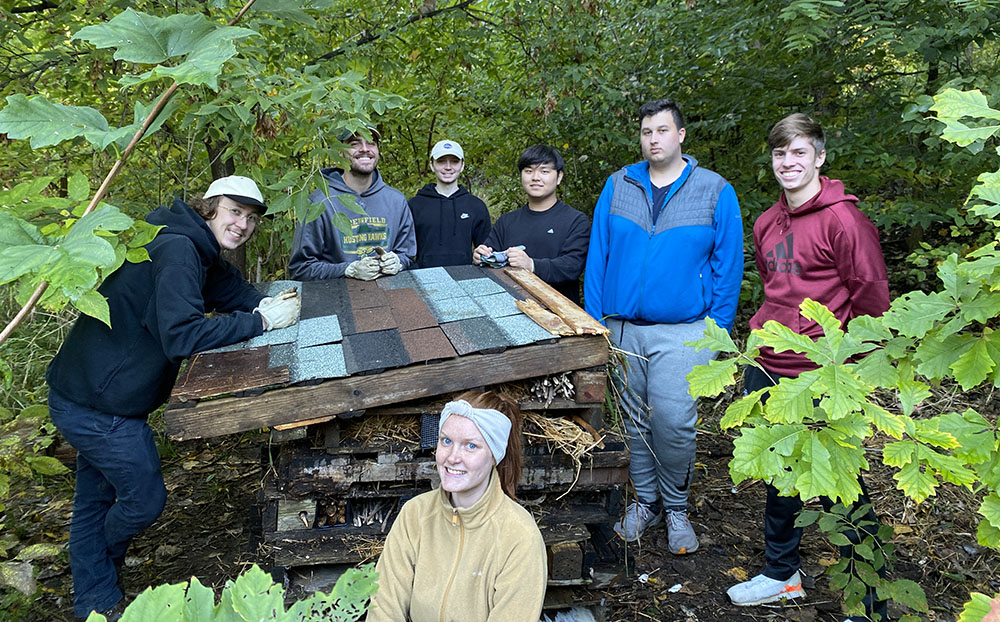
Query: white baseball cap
240	189
447	147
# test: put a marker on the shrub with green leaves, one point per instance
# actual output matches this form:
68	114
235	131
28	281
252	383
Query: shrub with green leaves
253	596
808	438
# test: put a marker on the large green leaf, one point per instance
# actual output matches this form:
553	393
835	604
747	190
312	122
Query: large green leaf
16	261
877	369
757	452
715	338
884	421
712	379
915	482
45	123
935	356
915	313
742	409
791	400
783	339
974	435
979	607
95	305
817	477
845	392
974	365
955	104
256	596
145	39
911	393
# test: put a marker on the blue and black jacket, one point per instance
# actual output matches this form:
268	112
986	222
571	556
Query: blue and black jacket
686	265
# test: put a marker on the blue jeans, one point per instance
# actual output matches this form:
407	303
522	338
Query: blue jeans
119	492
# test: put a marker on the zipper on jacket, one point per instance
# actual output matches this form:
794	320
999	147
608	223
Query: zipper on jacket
456	520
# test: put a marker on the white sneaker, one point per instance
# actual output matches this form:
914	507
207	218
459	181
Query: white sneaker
761	589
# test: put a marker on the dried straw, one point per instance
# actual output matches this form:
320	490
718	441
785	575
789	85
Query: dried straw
568	437
364	547
384	428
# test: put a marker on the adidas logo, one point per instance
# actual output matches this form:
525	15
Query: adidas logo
782	258
550	232
464	215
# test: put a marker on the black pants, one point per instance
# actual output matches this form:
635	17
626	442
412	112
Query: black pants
782	537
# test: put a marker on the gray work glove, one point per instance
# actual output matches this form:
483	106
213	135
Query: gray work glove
364	269
389	263
280	311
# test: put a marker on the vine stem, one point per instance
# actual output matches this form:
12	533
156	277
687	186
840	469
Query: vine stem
103	189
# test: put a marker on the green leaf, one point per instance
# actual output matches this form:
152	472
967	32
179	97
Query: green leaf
899	454
715	338
979	607
757	451
817	477
742	409
17	232
783	339
911	393
915	482
162	603
974	365
975	438
877	369
142	38
909	593
884	421
95	305
846	393
988	535
46	124
46	465
256	596
78	187
137	255
955	104
144	233
16	261
934	356
199	602
712	379
105	217
791	399
915	313
286	10
990	509
868	328
964	135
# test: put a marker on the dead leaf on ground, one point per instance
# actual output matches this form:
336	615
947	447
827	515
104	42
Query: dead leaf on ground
738	573
692	588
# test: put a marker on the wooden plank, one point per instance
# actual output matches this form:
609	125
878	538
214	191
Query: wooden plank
565	561
227	372
574	316
292	404
590	386
544	318
299	424
295	514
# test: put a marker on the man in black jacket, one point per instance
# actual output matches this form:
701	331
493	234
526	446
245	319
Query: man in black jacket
105	380
449	221
545	235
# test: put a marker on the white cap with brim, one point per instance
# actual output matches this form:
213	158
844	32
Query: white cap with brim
240	189
447	147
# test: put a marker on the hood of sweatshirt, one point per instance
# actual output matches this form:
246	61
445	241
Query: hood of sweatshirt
335	178
830	193
179	219
430	191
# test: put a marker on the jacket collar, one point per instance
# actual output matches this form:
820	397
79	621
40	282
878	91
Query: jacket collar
481	511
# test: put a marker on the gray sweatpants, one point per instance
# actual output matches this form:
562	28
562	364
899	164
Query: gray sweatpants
660	414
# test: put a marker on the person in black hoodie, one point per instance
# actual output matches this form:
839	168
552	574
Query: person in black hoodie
104	381
449	220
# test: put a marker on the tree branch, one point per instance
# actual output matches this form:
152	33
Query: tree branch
368	36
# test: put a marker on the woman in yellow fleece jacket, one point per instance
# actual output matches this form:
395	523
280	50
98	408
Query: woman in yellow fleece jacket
466	551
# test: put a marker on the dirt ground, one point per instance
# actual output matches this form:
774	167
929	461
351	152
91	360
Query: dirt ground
204	532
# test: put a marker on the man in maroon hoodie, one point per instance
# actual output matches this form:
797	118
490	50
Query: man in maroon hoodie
813	243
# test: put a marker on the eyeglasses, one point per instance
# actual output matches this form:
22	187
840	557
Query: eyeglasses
251	218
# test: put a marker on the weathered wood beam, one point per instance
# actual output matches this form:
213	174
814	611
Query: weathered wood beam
574	316
292	404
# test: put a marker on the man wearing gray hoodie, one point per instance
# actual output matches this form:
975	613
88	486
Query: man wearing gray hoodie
321	251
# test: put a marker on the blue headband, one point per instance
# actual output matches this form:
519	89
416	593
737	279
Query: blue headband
492	424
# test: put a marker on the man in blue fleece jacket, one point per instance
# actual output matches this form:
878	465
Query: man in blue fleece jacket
666	252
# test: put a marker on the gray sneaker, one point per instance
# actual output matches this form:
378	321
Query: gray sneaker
680	533
638	518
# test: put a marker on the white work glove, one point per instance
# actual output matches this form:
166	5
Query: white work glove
389	263
364	269
281	311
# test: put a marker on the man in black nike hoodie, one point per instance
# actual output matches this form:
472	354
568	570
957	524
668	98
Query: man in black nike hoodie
448	219
105	381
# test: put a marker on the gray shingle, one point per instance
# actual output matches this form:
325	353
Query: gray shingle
454	309
522	330
498	305
318	331
276	336
318	362
481	287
